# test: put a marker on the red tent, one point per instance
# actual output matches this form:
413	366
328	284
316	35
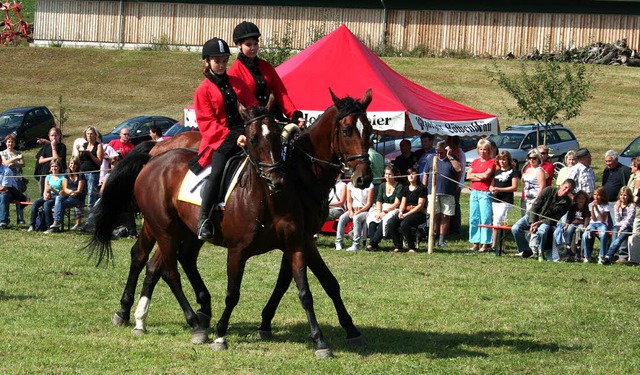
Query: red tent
343	63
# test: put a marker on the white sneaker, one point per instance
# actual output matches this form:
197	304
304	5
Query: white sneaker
56	225
354	248
338	245
31	228
585	260
76	227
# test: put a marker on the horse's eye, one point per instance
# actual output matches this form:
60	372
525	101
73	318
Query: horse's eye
346	132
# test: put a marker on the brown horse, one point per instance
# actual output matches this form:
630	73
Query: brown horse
344	145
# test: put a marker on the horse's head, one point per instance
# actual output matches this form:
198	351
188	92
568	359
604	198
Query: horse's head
264	144
351	138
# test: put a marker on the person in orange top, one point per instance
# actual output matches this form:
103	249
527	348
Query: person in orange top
258	74
216	106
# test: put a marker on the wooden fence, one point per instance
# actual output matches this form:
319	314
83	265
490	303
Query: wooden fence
132	24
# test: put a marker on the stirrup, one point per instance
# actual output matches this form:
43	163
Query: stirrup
205	230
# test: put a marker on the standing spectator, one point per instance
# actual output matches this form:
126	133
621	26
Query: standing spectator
426	143
410	214
505	182
71	194
108	153
533	178
546	165
625	212
406	159
453	142
540	220
387	202
634	240
52	187
576	221
53	150
337	198
15	161
569	161
91	155
449	169
480	174
377	165
122	145
599	209
582	173
359	201
155	132
614	177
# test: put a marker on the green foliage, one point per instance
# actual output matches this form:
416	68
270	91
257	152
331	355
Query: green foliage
63	114
280	47
163	43
545	91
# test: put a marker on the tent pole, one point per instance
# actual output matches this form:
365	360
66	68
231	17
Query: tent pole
432	208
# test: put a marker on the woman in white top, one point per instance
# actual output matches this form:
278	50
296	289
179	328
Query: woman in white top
358	203
337	199
533	178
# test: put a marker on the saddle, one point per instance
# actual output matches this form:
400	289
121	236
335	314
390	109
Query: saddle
192	184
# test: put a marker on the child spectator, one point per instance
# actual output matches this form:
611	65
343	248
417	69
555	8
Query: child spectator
577	219
71	194
599	210
52	187
625	212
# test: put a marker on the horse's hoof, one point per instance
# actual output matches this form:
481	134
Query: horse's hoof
359	342
324	353
199	337
117	320
139	331
219	344
264	335
204	319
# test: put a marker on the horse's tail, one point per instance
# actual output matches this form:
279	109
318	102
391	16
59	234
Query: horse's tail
117	198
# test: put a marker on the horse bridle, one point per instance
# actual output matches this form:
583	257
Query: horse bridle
263	169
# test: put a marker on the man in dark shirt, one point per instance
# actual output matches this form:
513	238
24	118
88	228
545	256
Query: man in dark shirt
614	176
552	203
406	159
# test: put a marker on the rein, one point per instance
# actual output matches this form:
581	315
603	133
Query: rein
263	169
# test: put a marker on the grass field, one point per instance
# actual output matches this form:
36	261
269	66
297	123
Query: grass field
449	312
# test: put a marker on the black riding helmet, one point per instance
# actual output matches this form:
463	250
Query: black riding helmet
215	47
245	30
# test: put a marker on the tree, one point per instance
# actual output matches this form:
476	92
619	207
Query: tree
547	92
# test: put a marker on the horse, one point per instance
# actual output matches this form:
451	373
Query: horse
340	119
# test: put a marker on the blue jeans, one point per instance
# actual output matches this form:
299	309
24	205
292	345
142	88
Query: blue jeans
563	237
62	202
588	238
480	212
537	240
92	188
617	240
358	224
47	206
5	199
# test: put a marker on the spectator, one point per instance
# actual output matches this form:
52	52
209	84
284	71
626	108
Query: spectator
614	177
480	174
359	201
387	202
426	143
8	192
634	239
506	179
53	150
550	206
52	187
108	154
582	173
377	165
91	155
406	159
15	161
576	221
599	210
546	165
122	146
155	132
337	198
72	193
410	214
625	212
533	178
449	169
453	142
569	161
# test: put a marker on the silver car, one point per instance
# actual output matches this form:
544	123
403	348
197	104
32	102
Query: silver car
630	152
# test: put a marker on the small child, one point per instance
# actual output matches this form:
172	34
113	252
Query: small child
625	212
578	218
599	210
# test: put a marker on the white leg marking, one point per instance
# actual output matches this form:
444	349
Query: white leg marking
141	313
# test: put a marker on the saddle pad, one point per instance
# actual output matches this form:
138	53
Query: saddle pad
192	185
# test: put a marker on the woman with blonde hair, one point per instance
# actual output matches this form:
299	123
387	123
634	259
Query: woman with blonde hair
480	174
90	157
534	179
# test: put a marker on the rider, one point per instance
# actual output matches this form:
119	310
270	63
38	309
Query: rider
216	106
258	74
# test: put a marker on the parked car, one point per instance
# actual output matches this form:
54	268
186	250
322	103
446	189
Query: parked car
139	128
631	151
27	123
519	139
178	128
465	144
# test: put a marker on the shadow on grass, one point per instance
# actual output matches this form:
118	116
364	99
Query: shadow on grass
7	297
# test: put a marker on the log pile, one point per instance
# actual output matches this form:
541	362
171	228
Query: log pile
617	53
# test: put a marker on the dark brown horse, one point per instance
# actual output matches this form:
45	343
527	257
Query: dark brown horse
281	225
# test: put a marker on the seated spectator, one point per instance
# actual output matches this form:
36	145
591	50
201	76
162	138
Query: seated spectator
599	210
387	202
577	219
410	213
8	192
359	201
449	168
625	211
406	159
506	179
72	194
15	161
533	178
550	206
337	198
52	187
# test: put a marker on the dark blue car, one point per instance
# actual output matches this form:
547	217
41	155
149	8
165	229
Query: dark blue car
27	123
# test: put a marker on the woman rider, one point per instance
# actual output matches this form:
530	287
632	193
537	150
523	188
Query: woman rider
216	105
260	76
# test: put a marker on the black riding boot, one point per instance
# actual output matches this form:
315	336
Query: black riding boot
205	224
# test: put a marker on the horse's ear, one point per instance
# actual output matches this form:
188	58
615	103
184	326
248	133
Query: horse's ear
243	112
335	99
272	100
366	99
